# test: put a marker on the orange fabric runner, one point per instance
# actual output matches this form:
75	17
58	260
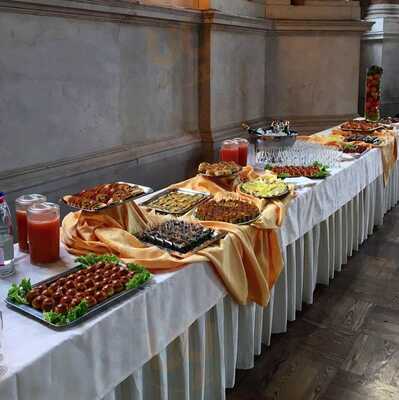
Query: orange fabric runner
248	260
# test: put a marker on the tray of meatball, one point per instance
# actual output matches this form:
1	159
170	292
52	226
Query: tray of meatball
77	294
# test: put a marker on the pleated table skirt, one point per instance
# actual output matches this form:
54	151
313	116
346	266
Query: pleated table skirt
201	363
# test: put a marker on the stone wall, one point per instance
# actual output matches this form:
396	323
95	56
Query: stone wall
116	90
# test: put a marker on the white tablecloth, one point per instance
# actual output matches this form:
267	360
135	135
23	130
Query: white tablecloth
183	337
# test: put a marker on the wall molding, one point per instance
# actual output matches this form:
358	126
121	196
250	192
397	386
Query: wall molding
313	124
304	124
219	20
230	130
39	174
128	12
121	11
327	26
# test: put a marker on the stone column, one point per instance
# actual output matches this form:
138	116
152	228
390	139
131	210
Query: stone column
381	47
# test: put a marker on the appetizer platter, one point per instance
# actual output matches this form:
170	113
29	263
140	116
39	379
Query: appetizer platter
68	298
265	190
361	126
314	171
180	238
175	201
104	196
375	140
219	169
232	211
355	148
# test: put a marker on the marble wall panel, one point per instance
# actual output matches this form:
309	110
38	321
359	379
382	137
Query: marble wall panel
71	87
238	61
313	74
159	77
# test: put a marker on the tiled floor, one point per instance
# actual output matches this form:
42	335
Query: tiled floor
346	345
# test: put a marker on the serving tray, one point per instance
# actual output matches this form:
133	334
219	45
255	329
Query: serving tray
216	236
249	222
146	190
271	197
37	315
368	130
183	211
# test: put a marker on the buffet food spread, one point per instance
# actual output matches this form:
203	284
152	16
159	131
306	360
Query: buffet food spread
175	201
265	190
179	236
315	171
65	299
232	211
102	196
200	219
364	138
219	169
361	126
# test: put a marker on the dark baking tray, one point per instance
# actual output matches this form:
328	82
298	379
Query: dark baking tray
98	308
217	235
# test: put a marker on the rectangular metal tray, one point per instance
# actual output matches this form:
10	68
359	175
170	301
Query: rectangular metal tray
215	238
146	190
368	130
37	315
206	196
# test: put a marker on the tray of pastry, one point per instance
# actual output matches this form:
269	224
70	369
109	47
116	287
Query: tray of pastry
221	169
105	195
232	211
77	294
180	238
175	201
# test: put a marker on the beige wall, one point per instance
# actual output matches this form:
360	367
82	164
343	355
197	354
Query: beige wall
95	91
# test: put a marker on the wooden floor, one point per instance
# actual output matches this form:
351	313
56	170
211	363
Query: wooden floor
346	345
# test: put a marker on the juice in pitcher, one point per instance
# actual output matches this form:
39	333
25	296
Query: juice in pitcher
44	233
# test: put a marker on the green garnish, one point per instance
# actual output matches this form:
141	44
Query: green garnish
17	293
91	259
72	315
323	170
55	318
78	311
349	146
140	277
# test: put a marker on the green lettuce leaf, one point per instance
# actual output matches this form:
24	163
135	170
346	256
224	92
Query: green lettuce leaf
17	293
90	259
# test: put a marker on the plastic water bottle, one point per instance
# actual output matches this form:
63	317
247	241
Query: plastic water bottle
7	266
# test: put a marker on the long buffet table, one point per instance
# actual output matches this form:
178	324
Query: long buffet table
183	337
